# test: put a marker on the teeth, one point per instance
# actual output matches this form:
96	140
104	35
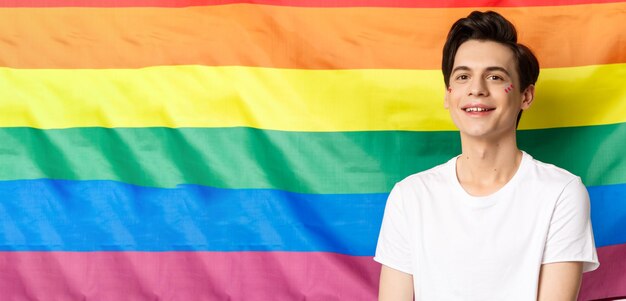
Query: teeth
476	110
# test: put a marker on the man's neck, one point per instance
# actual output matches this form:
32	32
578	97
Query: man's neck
485	166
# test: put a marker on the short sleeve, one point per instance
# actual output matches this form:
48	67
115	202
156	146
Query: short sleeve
570	236
394	243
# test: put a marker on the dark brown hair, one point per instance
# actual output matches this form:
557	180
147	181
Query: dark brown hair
490	26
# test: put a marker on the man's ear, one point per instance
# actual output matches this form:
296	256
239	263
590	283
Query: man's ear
528	95
446	104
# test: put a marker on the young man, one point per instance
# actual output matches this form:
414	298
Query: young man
492	223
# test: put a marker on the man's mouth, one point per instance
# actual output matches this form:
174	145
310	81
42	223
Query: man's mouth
476	109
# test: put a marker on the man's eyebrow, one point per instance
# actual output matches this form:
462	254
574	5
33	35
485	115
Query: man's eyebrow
464	68
492	68
496	68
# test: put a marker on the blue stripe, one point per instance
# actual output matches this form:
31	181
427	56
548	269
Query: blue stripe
64	215
608	214
61	215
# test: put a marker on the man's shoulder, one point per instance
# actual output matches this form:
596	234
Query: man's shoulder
436	174
549	173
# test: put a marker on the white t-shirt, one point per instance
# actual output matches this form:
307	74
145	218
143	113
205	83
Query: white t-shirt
462	247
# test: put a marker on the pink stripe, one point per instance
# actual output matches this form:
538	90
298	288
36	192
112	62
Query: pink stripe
609	280
226	276
186	276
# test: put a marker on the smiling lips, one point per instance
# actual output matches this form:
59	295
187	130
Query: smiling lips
477	109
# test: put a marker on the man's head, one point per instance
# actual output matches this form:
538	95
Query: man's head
489	26
484	28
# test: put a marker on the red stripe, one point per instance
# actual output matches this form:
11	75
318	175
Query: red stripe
299	3
186	276
609	280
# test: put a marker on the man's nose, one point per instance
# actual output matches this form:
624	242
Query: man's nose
478	87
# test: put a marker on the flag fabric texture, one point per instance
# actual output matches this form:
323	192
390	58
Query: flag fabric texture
244	150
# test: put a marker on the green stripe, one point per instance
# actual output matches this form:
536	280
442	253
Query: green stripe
595	153
339	162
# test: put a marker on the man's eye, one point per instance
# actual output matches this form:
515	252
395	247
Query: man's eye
495	77
462	77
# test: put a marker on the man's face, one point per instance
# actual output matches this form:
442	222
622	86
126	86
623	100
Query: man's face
483	97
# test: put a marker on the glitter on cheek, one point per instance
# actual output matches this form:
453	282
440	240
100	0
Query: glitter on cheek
509	88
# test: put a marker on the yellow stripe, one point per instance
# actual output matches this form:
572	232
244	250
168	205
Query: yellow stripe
285	99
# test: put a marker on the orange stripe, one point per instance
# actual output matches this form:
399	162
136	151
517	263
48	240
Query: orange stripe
302	3
290	37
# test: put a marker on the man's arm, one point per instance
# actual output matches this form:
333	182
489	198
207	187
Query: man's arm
395	285
560	281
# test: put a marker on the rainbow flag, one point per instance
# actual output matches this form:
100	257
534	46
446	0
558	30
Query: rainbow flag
244	150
